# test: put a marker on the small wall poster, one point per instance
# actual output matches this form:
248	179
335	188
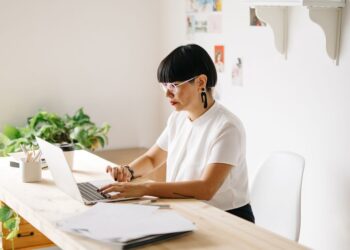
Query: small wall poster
219	58
203	5
203	16
237	78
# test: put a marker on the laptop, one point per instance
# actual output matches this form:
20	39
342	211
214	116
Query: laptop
85	192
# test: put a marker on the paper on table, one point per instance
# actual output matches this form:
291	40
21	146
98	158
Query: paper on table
124	222
155	224
107	214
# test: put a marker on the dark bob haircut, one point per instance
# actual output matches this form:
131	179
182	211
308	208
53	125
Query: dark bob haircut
186	62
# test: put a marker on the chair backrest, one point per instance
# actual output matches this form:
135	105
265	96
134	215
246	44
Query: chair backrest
276	194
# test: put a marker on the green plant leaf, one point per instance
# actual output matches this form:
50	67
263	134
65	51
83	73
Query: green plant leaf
4	141
12	234
11	132
101	141
80	117
10	224
15	145
43	117
78	146
5	213
77	129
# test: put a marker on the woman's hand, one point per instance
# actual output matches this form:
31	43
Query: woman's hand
119	173
125	190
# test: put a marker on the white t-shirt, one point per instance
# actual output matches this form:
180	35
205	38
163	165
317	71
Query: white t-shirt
217	136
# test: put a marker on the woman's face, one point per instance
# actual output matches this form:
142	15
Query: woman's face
187	96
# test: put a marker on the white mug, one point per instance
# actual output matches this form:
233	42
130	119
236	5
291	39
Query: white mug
68	151
69	155
30	171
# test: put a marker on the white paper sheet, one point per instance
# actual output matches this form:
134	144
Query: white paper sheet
124	222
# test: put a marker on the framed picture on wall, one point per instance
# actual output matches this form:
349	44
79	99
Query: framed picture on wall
237	72
203	5
203	16
219	58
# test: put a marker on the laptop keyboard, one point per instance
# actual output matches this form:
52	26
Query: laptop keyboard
89	192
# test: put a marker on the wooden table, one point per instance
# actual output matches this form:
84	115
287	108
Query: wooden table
42	204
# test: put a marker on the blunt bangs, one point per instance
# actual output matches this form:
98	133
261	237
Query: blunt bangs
186	62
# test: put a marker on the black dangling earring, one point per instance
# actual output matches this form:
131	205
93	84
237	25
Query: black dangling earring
204	98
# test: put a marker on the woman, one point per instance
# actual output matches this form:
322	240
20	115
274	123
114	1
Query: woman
203	144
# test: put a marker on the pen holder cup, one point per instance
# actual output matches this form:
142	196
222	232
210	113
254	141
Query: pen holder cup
30	171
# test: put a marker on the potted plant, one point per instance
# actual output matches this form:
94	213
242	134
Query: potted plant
77	130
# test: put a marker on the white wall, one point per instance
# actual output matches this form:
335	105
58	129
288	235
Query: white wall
61	55
300	104
102	55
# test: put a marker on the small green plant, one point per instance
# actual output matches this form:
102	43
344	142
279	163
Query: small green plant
10	222
76	129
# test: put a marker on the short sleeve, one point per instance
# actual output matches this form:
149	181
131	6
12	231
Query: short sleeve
226	147
163	139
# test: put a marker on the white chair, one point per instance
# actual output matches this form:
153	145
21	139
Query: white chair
276	194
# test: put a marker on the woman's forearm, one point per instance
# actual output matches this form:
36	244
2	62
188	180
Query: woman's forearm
142	166
197	189
201	189
149	161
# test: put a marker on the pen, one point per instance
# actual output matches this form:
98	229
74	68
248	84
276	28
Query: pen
28	154
23	148
37	157
149	203
161	206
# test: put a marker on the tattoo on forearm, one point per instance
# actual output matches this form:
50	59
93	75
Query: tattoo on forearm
183	196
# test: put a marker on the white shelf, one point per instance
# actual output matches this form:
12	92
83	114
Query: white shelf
326	13
329	19
315	3
324	3
274	3
276	17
